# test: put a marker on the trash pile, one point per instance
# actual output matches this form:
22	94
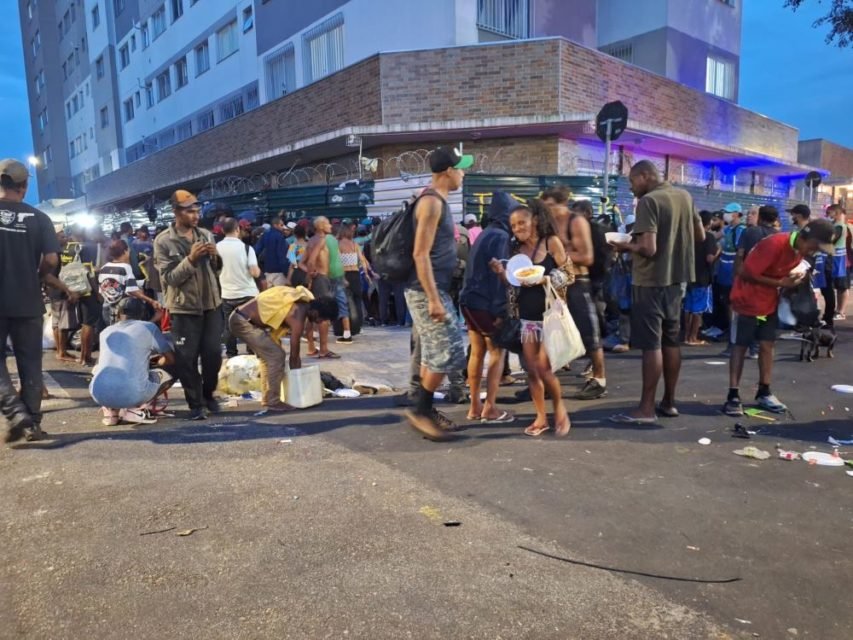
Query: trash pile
817	458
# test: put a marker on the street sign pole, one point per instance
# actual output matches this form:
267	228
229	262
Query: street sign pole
607	143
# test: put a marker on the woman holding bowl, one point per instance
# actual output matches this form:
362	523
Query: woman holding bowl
534	237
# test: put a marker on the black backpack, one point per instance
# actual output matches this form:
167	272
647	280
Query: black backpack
393	243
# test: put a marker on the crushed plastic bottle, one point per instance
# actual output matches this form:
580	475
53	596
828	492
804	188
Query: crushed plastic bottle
787	455
752	452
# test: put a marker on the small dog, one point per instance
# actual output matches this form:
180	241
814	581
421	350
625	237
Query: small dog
813	339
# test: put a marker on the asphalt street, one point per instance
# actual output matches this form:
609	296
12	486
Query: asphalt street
330	523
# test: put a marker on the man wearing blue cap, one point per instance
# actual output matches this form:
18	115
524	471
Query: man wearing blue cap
733	217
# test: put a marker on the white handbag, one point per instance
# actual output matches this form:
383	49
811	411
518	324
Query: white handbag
560	335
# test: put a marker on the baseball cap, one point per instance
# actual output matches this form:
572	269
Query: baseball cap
245	224
822	231
16	171
800	210
183	199
132	308
346	222
444	158
469	217
733	207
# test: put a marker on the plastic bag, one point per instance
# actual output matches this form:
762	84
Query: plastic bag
75	276
47	341
239	375
560	335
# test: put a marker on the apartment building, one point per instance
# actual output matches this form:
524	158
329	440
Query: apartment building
112	82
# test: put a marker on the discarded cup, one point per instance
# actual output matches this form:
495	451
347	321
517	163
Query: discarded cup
705	441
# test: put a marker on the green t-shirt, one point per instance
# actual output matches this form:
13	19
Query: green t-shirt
336	270
841	243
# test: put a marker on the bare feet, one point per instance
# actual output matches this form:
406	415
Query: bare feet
562	426
64	357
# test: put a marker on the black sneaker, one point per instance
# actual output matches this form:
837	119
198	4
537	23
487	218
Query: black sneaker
444	422
343	340
213	405
733	407
18	426
34	433
407	399
592	390
197	414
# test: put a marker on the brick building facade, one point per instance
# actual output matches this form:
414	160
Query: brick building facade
524	106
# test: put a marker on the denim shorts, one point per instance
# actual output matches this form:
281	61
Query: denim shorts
442	350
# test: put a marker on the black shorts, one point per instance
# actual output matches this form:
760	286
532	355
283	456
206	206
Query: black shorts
321	287
841	283
655	316
90	310
748	329
582	307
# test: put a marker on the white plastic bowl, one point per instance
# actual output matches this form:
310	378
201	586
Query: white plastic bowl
532	279
615	236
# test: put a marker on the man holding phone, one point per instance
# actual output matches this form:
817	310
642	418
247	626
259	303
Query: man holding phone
186	259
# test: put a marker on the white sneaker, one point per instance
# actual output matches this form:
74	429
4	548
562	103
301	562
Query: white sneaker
136	416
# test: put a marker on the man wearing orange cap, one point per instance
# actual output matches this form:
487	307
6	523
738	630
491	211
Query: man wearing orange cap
187	261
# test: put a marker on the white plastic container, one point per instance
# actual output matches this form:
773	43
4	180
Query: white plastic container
302	388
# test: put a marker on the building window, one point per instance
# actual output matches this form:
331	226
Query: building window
75	104
68	110
281	73
47	156
202	58
43	120
623	52
29	9
177	9
731	3
184	130
40	82
146	39
119	6
248	19
71	146
164	86
66	22
231	108
226	41
720	78
133	43
96	17
99	67
124	56
73	10
35	43
105	117
324	48
137	99
149	94
182	77
158	21
252	98
166	139
128	110
506	17
205	121
83	43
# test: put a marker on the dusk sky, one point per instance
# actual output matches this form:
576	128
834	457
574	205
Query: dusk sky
788	73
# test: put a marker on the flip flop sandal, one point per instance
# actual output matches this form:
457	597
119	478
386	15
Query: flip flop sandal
536	431
504	418
471	418
329	355
664	412
623	418
562	435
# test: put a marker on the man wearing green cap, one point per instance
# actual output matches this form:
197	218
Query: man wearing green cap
428	289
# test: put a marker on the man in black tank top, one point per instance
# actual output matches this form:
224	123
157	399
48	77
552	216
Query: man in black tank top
428	290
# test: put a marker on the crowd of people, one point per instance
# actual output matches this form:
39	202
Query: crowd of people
164	306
